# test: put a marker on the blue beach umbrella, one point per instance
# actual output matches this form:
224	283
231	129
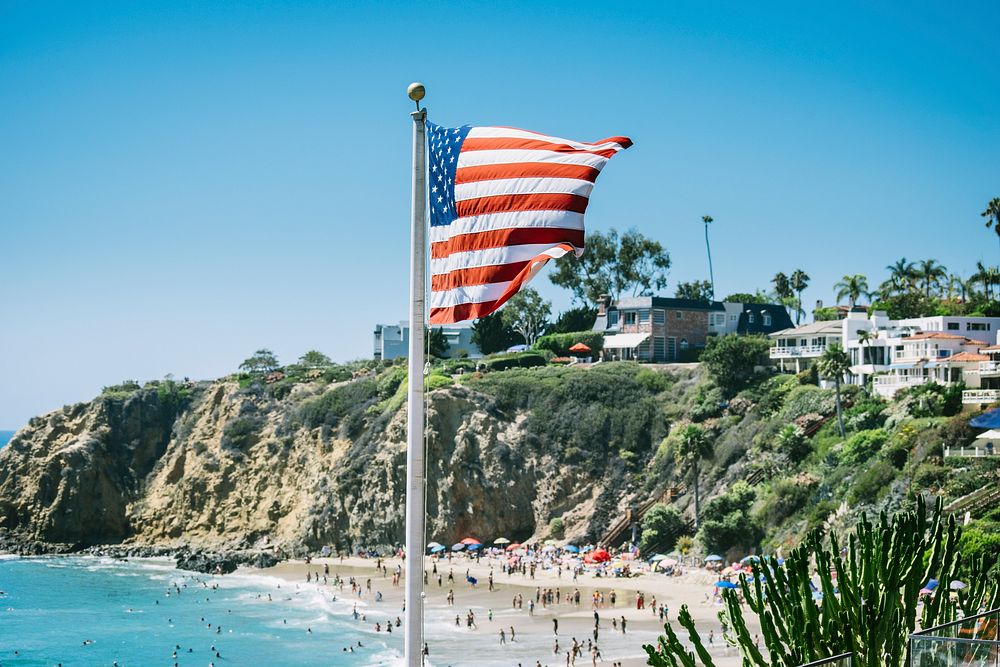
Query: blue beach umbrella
572	549
457	547
473	547
438	549
725	584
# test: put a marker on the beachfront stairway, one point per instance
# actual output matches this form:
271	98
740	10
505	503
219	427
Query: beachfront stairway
616	531
976	502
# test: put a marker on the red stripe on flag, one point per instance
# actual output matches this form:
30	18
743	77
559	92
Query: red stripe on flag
489	172
513	143
471	311
505	203
499	238
479	275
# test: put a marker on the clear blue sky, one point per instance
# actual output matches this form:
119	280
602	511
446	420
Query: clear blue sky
184	182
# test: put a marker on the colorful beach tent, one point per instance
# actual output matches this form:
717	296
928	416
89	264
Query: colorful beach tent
598	556
572	549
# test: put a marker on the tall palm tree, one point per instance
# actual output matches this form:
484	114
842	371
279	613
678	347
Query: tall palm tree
852	287
901	274
982	275
834	364
707	219
800	281
992	215
782	285
694	446
930	273
955	286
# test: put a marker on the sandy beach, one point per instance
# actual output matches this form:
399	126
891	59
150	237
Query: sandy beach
449	638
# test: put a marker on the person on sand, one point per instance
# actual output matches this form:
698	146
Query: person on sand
512	634
503	637
555	649
623	625
555	626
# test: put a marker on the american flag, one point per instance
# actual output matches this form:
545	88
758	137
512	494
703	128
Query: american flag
503	202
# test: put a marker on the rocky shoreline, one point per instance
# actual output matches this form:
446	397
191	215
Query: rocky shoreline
196	560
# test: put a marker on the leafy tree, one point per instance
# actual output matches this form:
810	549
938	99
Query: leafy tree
697	290
491	334
799	282
693	445
853	287
732	360
437	342
746	297
662	526
527	314
834	364
906	304
930	273
315	359
827	314
727	522
992	215
782	285
613	265
792	443
581	318
262	361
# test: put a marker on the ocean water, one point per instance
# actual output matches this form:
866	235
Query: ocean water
5	437
131	612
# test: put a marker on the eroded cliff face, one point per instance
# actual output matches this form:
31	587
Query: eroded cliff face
228	468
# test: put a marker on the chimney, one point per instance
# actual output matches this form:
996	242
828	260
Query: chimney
603	301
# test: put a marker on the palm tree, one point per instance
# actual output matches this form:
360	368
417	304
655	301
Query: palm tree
852	287
707	219
800	281
694	446
901	274
982	275
834	364
992	215
782	286
931	273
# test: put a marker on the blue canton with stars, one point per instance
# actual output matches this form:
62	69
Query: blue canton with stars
444	144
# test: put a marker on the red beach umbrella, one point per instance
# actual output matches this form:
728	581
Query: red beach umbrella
470	540
598	556
511	547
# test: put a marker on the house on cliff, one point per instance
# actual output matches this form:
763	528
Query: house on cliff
663	329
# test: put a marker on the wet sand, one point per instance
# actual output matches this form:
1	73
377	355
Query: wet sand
448	644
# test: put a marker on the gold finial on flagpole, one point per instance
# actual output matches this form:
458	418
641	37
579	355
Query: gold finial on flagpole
416	91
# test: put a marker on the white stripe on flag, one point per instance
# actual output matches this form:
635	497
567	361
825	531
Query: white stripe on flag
511	156
489	257
523	186
474	224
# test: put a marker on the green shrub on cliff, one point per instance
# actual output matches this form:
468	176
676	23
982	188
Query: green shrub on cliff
559	343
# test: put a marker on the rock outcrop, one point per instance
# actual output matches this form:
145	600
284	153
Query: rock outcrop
219	468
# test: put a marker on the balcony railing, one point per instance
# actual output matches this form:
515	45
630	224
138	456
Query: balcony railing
971	642
971	452
793	351
981	396
901	380
989	367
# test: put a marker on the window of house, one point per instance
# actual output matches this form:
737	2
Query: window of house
750	318
659	317
629	316
684	344
732	318
659	348
977	326
953	326
767	319
680	314
643	315
613	318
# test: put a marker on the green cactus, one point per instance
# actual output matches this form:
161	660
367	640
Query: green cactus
870	596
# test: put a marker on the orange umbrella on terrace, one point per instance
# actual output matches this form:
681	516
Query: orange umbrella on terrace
580	347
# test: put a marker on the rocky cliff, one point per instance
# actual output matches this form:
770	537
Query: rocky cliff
224	466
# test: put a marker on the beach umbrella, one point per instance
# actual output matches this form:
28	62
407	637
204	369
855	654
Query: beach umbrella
957	585
579	347
517	348
501	540
515	545
457	547
657	558
713	559
572	549
931	585
749	559
598	556
438	549
470	540
589	547
550	543
473	547
725	584
431	545
549	548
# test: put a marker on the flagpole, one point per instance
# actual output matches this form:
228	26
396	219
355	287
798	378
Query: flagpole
414	601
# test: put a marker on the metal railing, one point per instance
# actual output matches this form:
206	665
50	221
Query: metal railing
973	641
981	395
797	351
842	660
987	367
971	452
901	380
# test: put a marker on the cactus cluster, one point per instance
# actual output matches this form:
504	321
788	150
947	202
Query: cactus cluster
870	596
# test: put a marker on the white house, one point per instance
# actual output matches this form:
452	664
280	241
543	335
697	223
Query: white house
393	340
795	349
